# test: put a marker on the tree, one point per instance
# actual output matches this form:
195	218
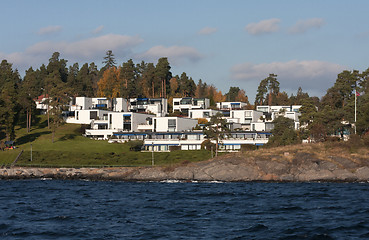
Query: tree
242	97
9	107
108	85
128	79
283	132
162	76
216	129
232	94
109	60
267	91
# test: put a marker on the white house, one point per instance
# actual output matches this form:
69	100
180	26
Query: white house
202	113
126	121
270	109
85	103
231	105
173	124
246	117
157	106
87	116
187	103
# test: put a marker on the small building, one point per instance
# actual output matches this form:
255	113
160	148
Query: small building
187	103
87	116
157	106
245	117
231	105
202	113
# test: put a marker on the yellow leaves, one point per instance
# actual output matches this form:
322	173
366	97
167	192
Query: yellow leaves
241	97
108	85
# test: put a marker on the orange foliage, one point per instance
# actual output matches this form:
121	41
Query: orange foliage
108	85
241	96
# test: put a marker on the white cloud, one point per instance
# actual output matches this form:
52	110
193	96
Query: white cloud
175	54
264	26
49	30
207	31
98	29
304	25
85	50
315	76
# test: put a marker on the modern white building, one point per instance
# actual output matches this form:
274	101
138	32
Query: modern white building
127	121
87	116
157	106
246	117
231	105
202	113
270	109
187	103
173	124
85	103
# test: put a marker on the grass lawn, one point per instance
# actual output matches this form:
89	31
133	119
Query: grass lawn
71	149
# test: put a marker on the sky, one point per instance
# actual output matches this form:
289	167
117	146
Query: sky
234	43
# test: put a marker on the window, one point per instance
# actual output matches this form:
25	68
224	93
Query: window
206	114
93	115
172	125
176	103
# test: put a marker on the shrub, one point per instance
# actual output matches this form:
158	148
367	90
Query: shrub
135	145
366	139
207	145
174	148
248	147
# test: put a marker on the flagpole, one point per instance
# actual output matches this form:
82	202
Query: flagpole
355	109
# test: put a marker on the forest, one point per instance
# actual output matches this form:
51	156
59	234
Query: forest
322	116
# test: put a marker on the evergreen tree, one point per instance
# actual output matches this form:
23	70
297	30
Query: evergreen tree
109	60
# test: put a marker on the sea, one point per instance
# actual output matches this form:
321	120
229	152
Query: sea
74	209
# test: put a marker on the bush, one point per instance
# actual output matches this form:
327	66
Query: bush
354	143
207	145
135	145
248	147
366	139
174	148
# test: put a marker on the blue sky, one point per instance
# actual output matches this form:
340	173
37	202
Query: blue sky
224	43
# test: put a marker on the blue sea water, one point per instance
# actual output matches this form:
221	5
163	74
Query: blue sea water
53	209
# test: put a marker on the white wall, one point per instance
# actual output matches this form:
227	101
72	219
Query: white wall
182	124
116	120
120	105
84	116
201	113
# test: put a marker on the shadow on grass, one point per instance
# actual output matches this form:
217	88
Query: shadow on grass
67	137
30	137
42	124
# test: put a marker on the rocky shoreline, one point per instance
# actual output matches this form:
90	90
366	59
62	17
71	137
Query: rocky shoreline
302	167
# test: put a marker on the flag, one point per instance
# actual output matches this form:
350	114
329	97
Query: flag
357	93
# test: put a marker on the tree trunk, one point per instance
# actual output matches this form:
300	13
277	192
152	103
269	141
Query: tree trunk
153	90
27	122
48	117
30	120
216	147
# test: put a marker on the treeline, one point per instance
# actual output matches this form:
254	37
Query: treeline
59	83
129	79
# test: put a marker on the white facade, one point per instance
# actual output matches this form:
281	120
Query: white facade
87	116
120	105
126	121
202	113
157	106
262	126
173	124
187	103
246	116
231	105
270	109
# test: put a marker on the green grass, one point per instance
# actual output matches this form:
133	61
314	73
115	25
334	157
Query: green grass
71	149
